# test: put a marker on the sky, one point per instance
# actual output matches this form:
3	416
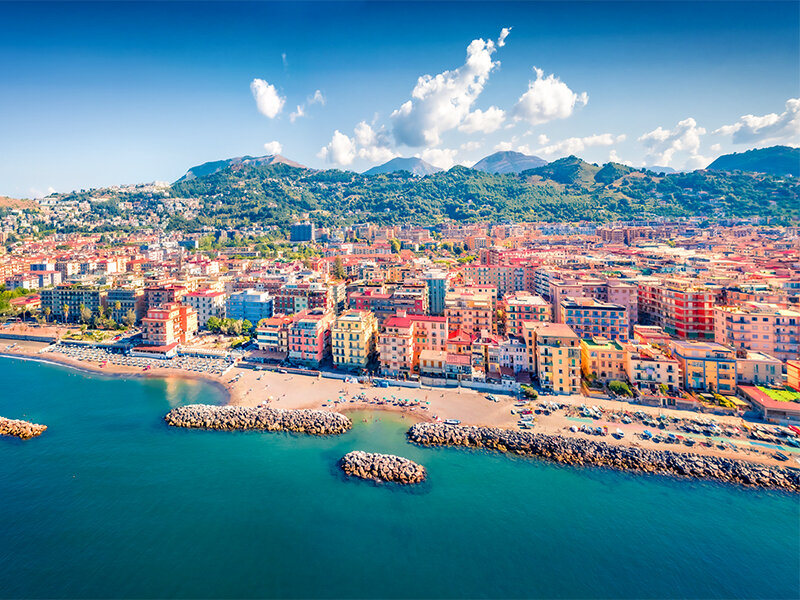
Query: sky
96	94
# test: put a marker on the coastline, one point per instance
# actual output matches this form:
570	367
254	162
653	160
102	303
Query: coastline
250	388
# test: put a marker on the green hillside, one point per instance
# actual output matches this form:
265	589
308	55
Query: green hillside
777	160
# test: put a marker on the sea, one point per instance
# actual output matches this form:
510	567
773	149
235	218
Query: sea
111	503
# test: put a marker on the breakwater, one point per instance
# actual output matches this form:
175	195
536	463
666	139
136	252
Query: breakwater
240	418
21	429
579	451
382	467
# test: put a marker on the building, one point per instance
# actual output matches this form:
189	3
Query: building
588	317
649	365
602	360
163	294
554	356
65	301
272	335
684	310
793	374
294	298
706	366
310	336
249	305
469	312
437	282
121	301
403	339
168	325
302	232
757	368
776	406
406	299
207	303
354	337
767	328
522	307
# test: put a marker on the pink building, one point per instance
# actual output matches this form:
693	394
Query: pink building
310	336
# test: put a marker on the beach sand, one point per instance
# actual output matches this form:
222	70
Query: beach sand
248	387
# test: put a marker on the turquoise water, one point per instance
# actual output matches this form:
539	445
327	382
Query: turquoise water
109	502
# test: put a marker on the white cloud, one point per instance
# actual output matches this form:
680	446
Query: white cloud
543	139
484	121
373	145
503	146
317	98
284	60
770	128
443	158
614	157
442	102
501	41
299	112
377	154
662	144
575	145
469	146
268	101
716	147
273	147
340	151
546	99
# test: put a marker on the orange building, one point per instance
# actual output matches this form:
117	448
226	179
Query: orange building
169	325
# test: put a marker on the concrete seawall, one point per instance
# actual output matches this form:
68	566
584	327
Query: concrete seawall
579	451
240	418
21	429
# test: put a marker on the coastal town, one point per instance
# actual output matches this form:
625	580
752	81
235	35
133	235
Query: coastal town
579	329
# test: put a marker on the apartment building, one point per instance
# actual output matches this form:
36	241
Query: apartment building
705	366
602	359
554	356
588	317
168	325
469	312
649	365
294	298
272	335
123	300
354	337
309	339
758	368
250	305
437	283
404	337
159	295
759	327
72	297
521	307
683	310
207	303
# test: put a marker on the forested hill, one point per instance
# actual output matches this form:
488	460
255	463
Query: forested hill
564	190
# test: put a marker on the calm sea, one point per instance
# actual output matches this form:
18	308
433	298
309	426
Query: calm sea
109	502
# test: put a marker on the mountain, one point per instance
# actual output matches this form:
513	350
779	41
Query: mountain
776	160
415	166
508	162
217	165
610	172
658	170
569	171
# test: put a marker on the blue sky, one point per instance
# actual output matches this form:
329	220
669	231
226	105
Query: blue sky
104	93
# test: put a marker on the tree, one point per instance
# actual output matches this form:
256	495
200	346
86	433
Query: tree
117	306
247	326
47	312
129	320
338	268
65	311
395	245
214	324
84	314
620	388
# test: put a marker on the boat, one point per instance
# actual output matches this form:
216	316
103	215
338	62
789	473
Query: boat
793	442
647	434
573	429
620	433
781	456
452	422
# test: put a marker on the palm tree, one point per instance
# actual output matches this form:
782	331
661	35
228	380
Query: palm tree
65	310
47	311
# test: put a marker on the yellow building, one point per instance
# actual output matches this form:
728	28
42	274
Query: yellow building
554	355
469	312
647	365
706	366
353	339
602	359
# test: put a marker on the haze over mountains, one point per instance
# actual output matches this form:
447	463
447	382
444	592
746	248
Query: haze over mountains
508	162
415	166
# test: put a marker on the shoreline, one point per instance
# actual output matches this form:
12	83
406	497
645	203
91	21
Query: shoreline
247	387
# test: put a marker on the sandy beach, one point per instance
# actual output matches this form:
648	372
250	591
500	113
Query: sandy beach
249	387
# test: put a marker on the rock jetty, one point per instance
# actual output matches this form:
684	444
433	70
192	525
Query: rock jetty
382	467
240	418
579	451
20	429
